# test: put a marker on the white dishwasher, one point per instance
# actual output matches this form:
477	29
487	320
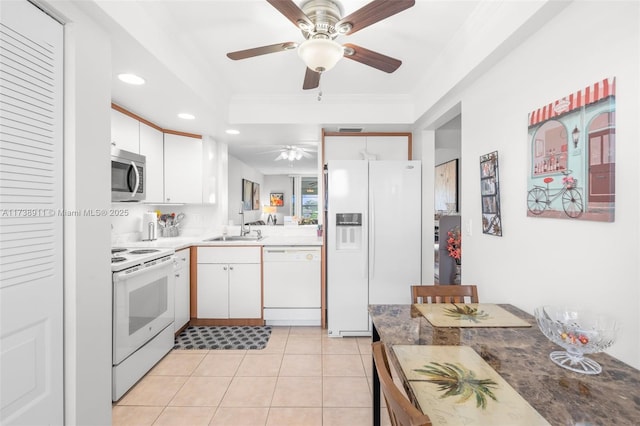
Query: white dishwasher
292	285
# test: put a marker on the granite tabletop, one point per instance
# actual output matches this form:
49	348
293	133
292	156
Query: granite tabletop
521	357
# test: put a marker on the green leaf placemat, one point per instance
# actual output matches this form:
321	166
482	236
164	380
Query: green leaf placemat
453	385
469	315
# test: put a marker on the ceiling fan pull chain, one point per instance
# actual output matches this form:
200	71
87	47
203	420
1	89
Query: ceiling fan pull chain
319	92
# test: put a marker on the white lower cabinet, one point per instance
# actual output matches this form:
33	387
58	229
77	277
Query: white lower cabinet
229	283
182	290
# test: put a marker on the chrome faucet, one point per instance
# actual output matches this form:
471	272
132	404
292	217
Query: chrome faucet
244	229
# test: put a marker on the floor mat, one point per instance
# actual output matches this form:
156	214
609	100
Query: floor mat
223	337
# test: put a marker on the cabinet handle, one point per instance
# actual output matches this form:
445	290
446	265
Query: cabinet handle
224	268
177	275
231	268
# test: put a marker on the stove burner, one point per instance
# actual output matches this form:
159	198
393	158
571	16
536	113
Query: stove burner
118	259
143	251
118	250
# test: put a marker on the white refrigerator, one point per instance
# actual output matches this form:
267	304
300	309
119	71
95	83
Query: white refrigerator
373	239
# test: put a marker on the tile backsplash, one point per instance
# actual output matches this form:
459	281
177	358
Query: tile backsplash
127	227
199	220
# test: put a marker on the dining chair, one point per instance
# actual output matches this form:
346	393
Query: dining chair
401	411
455	293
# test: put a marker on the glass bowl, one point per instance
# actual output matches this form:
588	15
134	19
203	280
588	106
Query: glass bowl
579	332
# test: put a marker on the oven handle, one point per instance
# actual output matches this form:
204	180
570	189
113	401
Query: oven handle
124	275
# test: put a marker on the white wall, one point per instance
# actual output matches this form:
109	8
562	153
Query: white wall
87	275
238	171
592	265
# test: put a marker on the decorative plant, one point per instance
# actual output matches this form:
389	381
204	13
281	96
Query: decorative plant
466	313
568	181
457	380
454	241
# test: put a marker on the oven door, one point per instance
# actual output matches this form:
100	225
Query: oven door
142	305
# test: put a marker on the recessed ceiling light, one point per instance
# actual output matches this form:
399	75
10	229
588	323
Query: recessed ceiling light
232	131
186	116
131	79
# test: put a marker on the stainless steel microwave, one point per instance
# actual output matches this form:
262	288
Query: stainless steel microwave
128	178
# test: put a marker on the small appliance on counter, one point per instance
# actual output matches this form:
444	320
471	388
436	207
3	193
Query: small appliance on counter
149	226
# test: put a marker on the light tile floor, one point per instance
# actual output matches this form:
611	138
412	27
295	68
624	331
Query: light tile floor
301	378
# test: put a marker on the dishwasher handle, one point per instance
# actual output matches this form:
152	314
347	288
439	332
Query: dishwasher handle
291	254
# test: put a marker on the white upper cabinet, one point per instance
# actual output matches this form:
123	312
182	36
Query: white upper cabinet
151	146
388	147
182	169
382	147
344	147
125	132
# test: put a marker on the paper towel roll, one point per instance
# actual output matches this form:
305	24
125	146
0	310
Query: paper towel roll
149	226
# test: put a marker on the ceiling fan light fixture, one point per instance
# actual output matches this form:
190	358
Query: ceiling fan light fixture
320	54
344	28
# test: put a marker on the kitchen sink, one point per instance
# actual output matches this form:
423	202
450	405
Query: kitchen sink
236	238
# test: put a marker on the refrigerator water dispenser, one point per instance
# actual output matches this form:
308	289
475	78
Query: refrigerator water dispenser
348	231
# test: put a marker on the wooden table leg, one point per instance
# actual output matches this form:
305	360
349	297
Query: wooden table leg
376	382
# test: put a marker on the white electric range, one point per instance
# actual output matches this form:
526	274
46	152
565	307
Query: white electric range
143	315
126	257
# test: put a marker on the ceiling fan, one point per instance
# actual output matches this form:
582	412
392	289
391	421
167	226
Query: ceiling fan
292	153
321	22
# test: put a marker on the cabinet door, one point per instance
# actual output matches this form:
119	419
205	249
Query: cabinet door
388	147
344	147
125	132
151	146
182	290
182	169
245	295
213	290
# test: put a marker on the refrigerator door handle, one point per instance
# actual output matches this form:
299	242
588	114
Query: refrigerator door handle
372	235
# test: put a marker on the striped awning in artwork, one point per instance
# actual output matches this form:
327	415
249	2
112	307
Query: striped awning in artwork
586	96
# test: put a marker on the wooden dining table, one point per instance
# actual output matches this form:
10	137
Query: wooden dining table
520	355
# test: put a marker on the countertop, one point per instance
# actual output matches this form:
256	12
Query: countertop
179	243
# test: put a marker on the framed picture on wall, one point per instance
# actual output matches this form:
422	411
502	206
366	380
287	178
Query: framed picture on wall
446	187
256	196
276	199
247	194
572	145
490	194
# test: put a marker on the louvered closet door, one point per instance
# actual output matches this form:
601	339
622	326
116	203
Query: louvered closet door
31	290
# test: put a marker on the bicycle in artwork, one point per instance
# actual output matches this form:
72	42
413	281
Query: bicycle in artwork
540	198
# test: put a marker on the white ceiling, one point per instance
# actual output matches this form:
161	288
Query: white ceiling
180	48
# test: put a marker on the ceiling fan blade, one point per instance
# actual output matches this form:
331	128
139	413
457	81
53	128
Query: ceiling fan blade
371	58
263	50
374	12
311	79
291	11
